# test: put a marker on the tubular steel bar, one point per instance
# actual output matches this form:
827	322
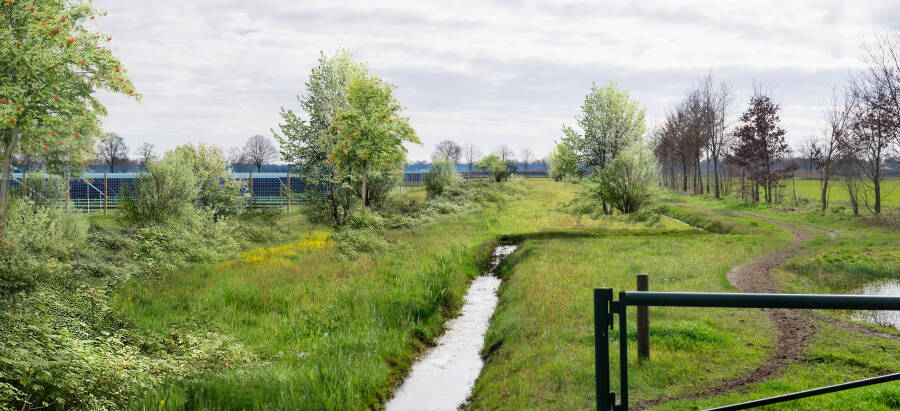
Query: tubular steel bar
742	300
809	393
605	308
623	352
602	298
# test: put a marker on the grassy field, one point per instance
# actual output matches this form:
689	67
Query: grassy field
810	190
539	348
329	332
324	331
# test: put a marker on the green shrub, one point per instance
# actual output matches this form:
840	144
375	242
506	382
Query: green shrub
44	230
164	191
218	192
186	177
193	238
44	190
442	174
498	169
378	185
627	182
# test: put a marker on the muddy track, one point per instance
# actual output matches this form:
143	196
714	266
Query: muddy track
793	327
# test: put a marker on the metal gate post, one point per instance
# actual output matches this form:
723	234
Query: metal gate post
602	298
623	351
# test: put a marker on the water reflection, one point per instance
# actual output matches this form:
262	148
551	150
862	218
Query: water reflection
882	318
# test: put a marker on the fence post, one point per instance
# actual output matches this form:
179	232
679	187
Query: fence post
105	193
643	321
602	298
289	192
251	191
68	191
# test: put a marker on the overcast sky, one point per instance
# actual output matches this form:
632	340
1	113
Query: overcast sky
480	72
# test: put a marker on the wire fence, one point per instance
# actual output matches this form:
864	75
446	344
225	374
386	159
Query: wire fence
102	192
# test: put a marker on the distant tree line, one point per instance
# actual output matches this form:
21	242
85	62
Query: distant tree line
860	140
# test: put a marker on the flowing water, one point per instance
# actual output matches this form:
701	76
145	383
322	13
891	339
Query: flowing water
882	318
443	378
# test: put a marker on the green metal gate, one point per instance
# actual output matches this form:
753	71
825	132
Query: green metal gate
605	308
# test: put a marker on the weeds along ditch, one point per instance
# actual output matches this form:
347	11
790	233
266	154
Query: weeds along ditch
323	329
105	309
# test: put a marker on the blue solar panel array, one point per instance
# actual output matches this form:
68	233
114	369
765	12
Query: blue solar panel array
93	192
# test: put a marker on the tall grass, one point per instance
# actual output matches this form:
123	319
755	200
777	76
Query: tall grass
331	332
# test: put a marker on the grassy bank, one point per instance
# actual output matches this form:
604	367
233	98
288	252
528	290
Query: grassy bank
539	349
327	332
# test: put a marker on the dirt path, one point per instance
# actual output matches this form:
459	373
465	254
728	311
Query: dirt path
793	327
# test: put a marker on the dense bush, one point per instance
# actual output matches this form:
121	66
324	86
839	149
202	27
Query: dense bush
442	174
187	177
625	185
39	241
498	169
217	191
45	190
627	182
378	185
163	192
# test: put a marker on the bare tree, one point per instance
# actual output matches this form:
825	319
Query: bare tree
448	149
259	150
876	121
716	101
235	156
807	149
526	156
145	153
111	150
875	132
825	153
505	153
472	154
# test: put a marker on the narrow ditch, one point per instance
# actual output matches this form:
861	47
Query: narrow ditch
443	377
689	225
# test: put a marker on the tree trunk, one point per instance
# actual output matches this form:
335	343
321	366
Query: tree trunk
334	206
365	180
4	185
716	177
877	182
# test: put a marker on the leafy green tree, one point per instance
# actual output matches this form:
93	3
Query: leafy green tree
305	143
497	168
369	134
563	162
52	62
610	120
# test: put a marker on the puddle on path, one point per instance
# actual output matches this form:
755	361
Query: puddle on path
882	318
443	378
